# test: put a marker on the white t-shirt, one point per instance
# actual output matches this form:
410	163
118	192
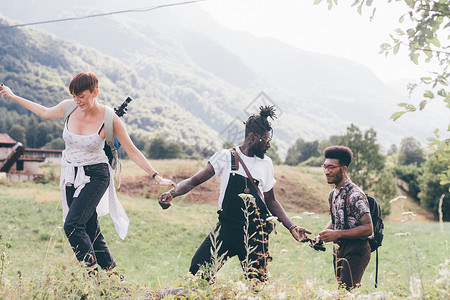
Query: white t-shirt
260	169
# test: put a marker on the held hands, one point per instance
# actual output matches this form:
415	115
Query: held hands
299	233
163	181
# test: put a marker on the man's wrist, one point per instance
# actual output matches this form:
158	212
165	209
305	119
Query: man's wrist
290	228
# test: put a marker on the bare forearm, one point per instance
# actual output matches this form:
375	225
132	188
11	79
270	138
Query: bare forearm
361	231
139	159
31	106
188	184
277	210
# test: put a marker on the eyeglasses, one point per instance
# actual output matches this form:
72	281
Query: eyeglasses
265	140
330	168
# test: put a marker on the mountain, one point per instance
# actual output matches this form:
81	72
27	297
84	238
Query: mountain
216	76
39	66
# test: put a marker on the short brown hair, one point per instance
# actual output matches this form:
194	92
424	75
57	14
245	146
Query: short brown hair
341	153
83	81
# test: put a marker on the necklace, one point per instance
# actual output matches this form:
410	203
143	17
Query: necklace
246	190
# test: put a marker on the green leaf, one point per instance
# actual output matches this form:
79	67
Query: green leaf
410	3
435	42
317	2
415	57
369	2
428	52
426	80
428	94
397	115
396	48
399	31
402	19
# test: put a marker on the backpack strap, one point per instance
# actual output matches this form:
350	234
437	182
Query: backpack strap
109	134
69	109
330	200
376	270
234	160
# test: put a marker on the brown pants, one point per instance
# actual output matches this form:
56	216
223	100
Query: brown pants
350	258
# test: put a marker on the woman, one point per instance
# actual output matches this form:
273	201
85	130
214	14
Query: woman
87	184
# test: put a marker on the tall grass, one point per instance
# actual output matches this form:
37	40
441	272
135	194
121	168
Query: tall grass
36	260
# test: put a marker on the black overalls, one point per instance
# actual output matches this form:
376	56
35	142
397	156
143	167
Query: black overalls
231	233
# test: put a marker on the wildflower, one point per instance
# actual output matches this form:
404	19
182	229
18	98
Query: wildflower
414	287
247	197
402	234
241	287
442	283
397	198
283	251
408	213
308	213
296	218
271	219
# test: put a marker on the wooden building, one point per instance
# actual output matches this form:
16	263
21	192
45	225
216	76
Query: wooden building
19	163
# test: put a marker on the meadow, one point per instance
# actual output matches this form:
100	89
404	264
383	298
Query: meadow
38	263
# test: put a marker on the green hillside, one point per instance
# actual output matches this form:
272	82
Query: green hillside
39	66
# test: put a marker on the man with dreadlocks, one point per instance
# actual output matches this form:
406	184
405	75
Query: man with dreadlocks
246	200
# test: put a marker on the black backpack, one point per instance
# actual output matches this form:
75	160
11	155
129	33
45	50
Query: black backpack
378	226
377	221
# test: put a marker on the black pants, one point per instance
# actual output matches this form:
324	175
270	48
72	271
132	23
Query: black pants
351	258
81	225
232	239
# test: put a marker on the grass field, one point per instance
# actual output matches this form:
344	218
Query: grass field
37	262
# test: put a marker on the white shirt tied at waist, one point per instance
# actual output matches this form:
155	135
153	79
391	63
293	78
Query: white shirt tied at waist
109	204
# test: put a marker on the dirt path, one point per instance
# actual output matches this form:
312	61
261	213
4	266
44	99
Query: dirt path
401	207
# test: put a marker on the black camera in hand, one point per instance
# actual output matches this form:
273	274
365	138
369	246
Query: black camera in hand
315	244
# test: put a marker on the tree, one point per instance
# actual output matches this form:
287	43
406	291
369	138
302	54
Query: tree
18	133
273	154
301	151
411	152
367	159
431	190
57	143
425	34
227	145
160	148
409	179
367	169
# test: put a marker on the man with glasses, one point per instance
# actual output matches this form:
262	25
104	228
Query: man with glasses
246	204
350	224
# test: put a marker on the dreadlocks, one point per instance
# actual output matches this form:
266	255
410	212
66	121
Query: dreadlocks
259	123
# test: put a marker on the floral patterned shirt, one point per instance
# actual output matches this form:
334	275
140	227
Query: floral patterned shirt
357	205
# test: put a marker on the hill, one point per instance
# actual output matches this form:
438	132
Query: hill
297	189
39	66
214	75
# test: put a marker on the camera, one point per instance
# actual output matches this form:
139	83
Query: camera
315	244
122	109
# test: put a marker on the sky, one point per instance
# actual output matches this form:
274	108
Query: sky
340	32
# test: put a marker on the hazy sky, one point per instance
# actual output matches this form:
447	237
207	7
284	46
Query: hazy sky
341	31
